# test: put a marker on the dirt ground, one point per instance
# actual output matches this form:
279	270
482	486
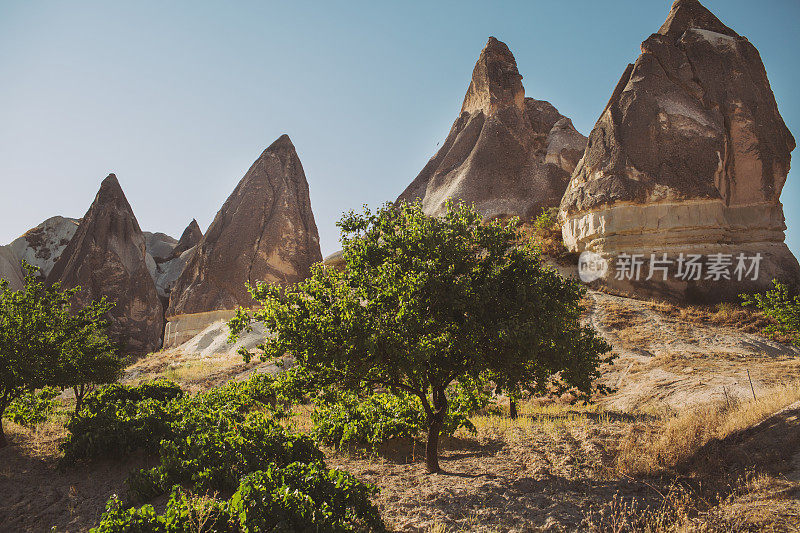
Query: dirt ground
534	478
679	359
36	497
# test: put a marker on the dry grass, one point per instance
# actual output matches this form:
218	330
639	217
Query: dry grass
667	444
725	314
41	440
616	316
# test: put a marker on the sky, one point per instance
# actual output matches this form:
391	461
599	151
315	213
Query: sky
179	98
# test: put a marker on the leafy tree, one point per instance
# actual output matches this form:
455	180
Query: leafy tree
44	342
422	302
779	305
88	357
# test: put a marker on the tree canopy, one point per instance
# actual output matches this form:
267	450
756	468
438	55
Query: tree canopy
45	342
422	302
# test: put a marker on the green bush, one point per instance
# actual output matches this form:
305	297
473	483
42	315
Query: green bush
547	221
117	420
32	408
183	514
304	497
780	306
371	420
294	497
223	441
219	451
367	421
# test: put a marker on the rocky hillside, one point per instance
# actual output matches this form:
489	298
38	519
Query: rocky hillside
40	247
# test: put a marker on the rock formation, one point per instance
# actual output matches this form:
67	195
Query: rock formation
189	239
508	154
159	246
40	247
168	266
265	231
688	157
106	257
10	268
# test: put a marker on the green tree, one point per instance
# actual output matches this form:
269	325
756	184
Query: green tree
778	304
422	302
44	342
88	357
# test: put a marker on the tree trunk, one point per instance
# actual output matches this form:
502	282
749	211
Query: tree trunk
3	441
79	393
434	430
432	448
512	407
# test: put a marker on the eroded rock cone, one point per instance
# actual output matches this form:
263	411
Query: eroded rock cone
190	238
106	257
508	154
265	231
689	156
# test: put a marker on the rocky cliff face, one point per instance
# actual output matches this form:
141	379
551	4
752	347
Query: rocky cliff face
40	246
689	156
265	231
107	257
508	154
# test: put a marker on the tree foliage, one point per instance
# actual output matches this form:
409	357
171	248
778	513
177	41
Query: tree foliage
422	302
45	342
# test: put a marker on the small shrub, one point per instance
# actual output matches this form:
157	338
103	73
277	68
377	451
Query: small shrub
183	514
117	420
304	497
547	221
778	305
368	421
33	407
294	497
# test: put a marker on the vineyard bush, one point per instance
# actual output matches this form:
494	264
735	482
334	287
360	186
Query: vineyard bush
304	497
220	451
116	420
183	514
32	408
294	497
224	441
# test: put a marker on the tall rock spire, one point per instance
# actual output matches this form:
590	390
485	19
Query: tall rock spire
507	154
689	156
265	231
106	257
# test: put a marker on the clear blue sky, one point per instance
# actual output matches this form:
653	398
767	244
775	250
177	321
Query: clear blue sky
179	98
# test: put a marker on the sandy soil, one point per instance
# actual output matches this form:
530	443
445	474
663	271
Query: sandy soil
665	360
35	496
537	478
